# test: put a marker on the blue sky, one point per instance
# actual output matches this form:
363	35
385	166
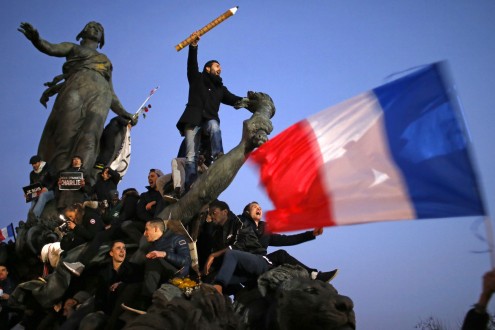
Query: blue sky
308	56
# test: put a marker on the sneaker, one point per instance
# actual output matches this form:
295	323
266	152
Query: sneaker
136	306
326	276
75	268
170	198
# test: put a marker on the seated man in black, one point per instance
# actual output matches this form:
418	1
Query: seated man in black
150	204
167	257
66	198
246	258
251	216
114	278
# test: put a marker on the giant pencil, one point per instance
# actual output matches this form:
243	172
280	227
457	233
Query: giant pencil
208	27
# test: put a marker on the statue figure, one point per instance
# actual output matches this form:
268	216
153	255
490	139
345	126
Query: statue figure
219	175
85	95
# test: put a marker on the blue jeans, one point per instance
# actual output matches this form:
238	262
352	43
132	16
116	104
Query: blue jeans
239	267
193	139
39	205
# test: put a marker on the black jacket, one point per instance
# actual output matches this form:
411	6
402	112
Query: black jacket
205	95
267	239
84	232
102	188
47	177
151	195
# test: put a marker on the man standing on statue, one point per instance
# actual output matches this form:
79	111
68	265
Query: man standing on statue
206	92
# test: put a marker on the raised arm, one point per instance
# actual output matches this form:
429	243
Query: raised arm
59	50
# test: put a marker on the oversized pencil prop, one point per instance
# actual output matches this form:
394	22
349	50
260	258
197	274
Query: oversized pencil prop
208	27
144	108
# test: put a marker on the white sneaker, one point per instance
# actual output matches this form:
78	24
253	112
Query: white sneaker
75	268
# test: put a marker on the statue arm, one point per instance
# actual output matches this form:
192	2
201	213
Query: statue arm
117	107
59	50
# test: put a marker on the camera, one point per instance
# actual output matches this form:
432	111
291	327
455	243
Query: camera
64	226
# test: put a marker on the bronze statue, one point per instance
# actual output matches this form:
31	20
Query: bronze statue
85	95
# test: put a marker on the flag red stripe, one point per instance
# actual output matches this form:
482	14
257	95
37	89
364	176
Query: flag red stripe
291	163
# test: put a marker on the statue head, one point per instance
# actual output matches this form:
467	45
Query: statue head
302	302
93	31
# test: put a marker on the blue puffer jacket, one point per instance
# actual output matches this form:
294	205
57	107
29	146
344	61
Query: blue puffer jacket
176	248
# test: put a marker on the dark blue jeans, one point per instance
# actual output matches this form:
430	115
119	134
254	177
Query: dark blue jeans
239	267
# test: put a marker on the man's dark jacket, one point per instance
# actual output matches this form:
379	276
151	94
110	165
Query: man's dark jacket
205	95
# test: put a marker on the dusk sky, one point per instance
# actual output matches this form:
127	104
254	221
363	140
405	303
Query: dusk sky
307	55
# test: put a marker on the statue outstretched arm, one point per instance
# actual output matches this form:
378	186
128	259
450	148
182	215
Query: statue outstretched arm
59	50
118	108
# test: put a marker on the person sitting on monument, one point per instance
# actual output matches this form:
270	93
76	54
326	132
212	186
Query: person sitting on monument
251	216
246	258
206	92
111	140
106	181
167	257
150	203
76	193
83	223
223	234
44	174
114	279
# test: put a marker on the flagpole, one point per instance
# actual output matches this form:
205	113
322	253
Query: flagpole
489	239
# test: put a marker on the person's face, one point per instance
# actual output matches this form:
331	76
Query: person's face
219	217
152	177
71	215
105	175
255	212
151	233
76	162
214	69
3	273
36	166
69	306
93	32
118	252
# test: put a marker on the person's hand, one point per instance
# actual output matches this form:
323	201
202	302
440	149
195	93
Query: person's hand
5	296
83	183
150	205
195	36
156	254
29	31
317	231
114	286
71	225
242	103
44	189
208	264
489	282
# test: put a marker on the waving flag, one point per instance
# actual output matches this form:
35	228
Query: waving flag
7	232
396	152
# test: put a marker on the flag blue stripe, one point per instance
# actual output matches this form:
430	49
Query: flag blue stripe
429	145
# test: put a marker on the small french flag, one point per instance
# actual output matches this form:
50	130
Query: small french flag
7	233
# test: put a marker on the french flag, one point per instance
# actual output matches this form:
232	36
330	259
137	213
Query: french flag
396	152
7	232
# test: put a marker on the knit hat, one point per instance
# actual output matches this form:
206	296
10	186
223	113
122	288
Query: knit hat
157	171
34	159
81	296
